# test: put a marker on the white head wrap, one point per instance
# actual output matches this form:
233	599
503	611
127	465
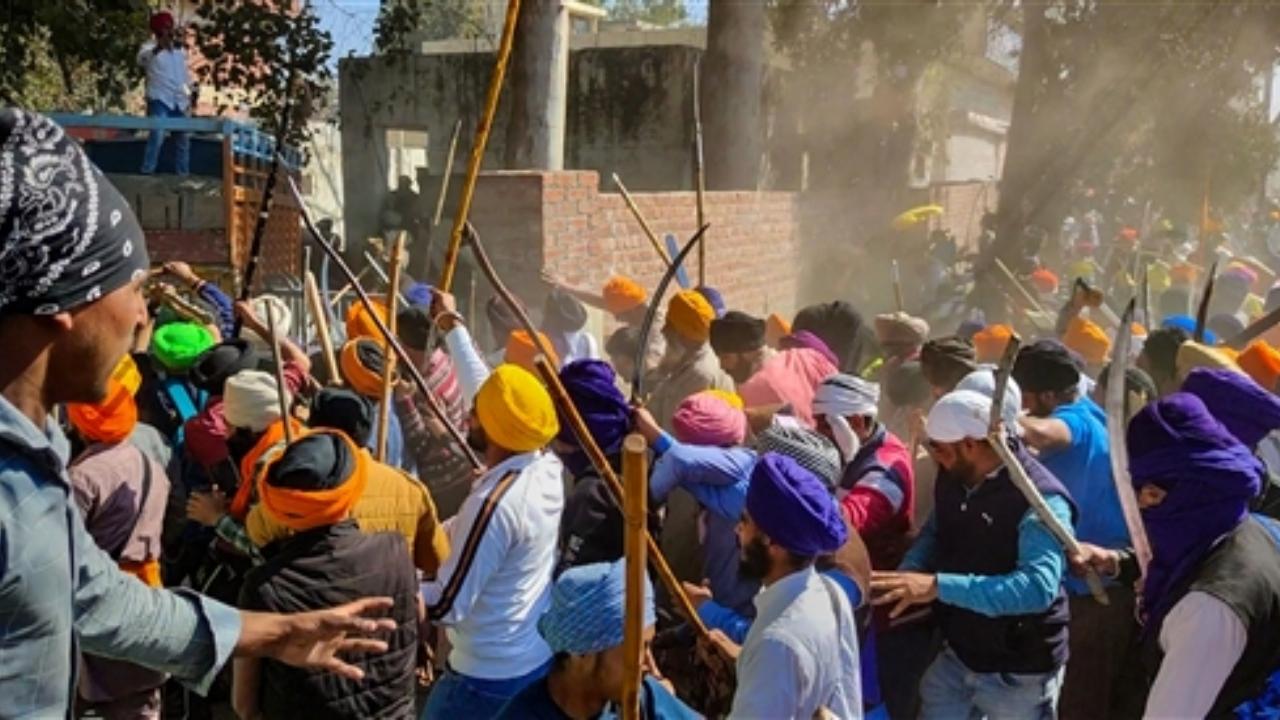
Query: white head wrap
841	396
284	320
959	415
983	382
249	400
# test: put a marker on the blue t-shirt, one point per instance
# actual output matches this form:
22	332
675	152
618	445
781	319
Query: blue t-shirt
1084	467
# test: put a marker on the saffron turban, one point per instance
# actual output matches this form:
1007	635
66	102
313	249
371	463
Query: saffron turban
250	400
1192	355
737	332
588	608
1248	411
706	419
177	345
361	325
1261	362
989	343
790	377
211	370
1183	274
112	420
361	363
1045	281
1088	340
622	294
315	482
793	507
1045	366
690	315
521	350
776	327
515	410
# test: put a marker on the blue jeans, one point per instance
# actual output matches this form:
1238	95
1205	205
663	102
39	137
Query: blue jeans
455	696
950	691
181	141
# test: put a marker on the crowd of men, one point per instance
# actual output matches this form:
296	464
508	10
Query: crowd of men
860	534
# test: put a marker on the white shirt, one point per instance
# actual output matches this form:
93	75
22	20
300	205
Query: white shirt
168	79
800	654
497	581
1202	639
471	369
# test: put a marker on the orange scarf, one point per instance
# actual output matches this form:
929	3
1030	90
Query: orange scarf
148	572
110	421
269	447
301	510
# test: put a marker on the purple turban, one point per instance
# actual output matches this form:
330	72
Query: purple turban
793	507
591	385
1209	478
806	339
1247	410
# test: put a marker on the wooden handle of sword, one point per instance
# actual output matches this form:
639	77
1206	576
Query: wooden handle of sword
389	362
321	319
635	474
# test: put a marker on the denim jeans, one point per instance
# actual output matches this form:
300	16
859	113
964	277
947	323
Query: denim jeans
455	696
181	141
950	691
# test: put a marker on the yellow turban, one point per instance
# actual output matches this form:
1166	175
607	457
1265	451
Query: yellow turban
622	294
521	350
732	398
1088	339
361	325
989	342
1192	355
515	411
690	315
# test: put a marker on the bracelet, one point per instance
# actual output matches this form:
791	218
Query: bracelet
455	315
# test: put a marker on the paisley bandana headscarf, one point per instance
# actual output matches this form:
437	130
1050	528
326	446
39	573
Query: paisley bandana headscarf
67	237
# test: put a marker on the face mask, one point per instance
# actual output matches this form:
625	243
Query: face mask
846	439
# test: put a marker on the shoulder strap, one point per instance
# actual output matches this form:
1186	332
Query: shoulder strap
142	506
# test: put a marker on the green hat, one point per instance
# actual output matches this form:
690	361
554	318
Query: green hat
178	344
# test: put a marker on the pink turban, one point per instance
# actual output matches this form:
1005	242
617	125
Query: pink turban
791	377
706	418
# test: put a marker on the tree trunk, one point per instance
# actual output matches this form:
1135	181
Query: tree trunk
732	84
539	82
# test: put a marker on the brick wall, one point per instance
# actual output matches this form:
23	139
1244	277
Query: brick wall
562	222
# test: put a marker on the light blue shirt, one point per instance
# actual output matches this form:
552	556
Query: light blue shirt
1029	588
61	594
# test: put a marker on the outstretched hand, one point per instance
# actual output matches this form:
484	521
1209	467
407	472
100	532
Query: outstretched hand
314	640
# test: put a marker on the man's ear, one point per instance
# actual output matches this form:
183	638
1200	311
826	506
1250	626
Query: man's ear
63	321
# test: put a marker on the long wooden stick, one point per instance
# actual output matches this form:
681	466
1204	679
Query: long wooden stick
279	370
389	361
321	319
644	224
401	300
342	291
1013	280
444	192
480	143
635	475
433	403
699	172
585	440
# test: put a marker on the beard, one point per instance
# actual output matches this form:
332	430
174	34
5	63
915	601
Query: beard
476	438
753	564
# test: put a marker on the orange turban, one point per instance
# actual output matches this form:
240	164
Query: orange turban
1045	281
361	325
690	315
361	364
1261	362
336	474
622	294
1182	274
989	342
521	350
1088	339
110	421
776	327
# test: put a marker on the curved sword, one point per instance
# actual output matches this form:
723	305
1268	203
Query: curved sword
1117	421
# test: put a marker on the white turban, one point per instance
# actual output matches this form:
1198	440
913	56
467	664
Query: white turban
841	396
283	317
959	415
249	400
983	382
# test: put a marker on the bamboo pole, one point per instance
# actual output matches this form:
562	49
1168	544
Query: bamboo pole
433	403
342	291
444	193
279	370
389	360
635	475
480	143
321	319
644	224
699	172
580	431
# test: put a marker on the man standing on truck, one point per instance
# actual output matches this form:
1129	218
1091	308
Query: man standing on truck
168	91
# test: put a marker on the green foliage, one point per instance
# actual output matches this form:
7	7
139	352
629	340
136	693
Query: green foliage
400	20
662	13
267	58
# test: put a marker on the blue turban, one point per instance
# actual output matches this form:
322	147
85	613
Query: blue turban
1245	408
592	386
418	294
1209	478
588	609
1188	323
793	507
715	299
